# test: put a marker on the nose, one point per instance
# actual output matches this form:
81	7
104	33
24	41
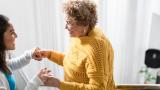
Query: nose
15	35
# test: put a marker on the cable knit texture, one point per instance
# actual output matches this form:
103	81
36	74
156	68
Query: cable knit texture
89	63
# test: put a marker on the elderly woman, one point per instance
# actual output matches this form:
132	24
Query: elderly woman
89	63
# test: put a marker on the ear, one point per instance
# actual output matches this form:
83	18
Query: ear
86	28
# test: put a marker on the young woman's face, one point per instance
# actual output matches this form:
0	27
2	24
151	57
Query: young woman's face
9	38
74	29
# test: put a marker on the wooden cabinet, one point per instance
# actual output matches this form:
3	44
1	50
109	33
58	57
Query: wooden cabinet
138	87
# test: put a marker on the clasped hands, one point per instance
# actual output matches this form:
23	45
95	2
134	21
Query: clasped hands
38	54
48	79
45	75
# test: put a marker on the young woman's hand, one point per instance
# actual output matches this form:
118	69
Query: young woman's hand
43	74
37	55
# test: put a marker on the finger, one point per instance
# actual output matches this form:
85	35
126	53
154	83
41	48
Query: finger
45	76
37	55
39	59
37	49
45	70
50	74
43	53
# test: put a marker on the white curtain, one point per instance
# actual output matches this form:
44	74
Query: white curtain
127	23
128	26
49	33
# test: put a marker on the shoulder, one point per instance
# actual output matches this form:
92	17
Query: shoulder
99	48
97	37
98	43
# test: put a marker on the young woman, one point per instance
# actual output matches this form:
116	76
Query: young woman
7	42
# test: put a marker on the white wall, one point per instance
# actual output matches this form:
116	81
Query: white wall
129	27
154	41
155	32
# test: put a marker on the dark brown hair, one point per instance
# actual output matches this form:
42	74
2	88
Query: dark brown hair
83	11
3	27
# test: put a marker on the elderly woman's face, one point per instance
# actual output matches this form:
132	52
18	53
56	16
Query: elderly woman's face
9	38
74	29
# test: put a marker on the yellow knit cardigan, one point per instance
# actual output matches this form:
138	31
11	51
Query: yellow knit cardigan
89	63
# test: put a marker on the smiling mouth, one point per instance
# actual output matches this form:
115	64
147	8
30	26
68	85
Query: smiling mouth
70	32
13	44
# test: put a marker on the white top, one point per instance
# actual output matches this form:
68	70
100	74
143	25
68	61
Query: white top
3	82
18	63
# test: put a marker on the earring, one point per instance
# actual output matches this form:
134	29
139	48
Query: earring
84	31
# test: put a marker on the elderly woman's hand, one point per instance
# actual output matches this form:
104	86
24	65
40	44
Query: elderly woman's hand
43	74
37	55
52	81
44	53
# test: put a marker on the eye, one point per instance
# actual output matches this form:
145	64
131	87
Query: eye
68	22
71	22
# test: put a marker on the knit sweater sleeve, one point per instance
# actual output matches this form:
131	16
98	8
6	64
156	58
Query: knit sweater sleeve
94	69
55	57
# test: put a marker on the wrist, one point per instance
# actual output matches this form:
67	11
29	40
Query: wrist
48	54
37	81
58	83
